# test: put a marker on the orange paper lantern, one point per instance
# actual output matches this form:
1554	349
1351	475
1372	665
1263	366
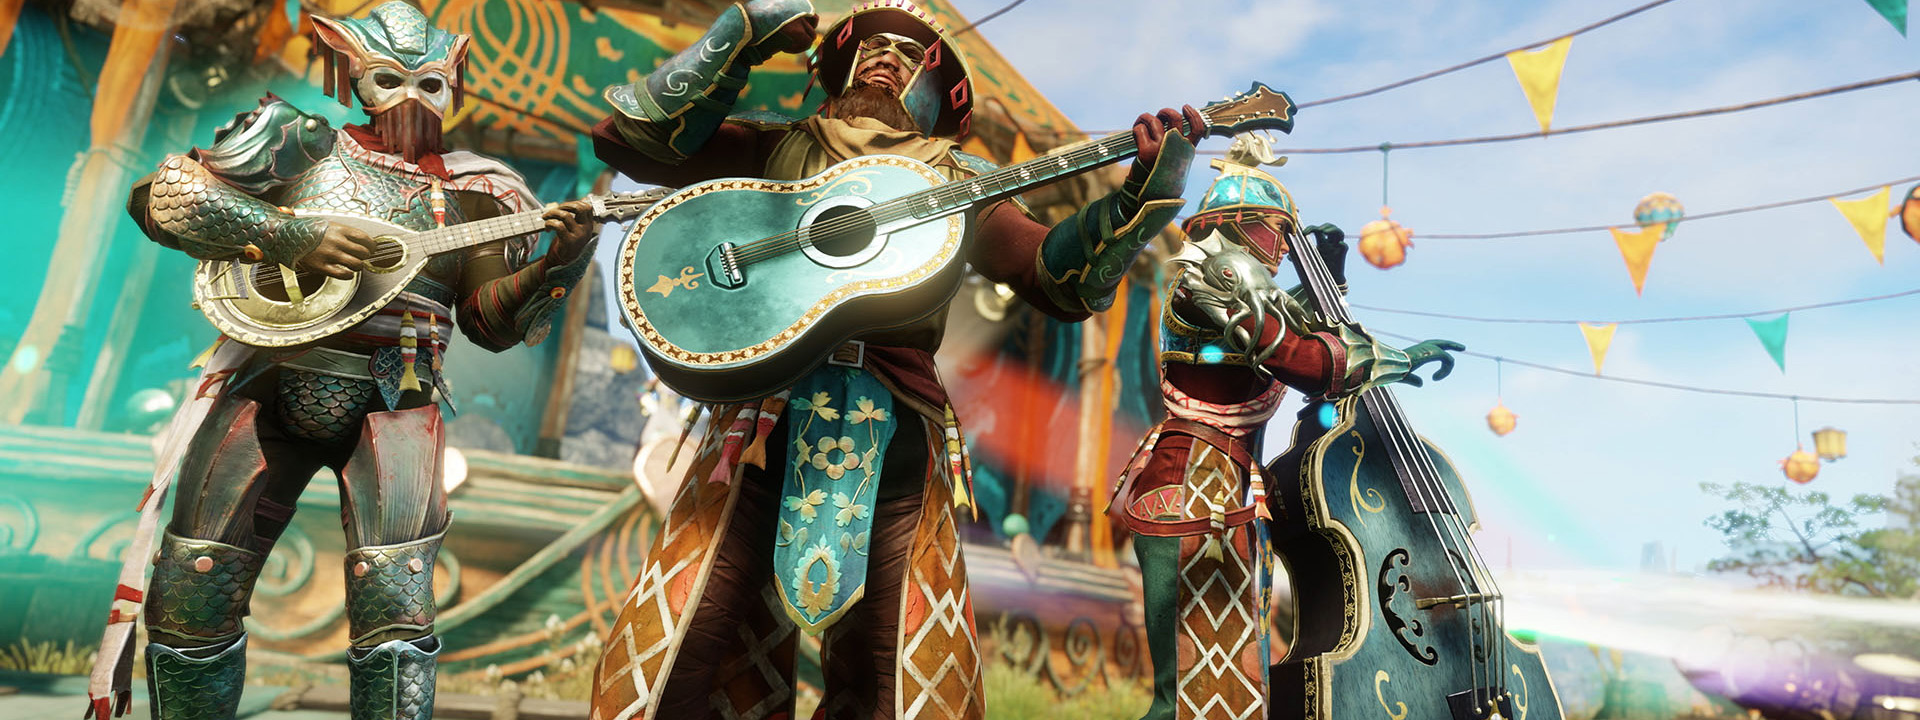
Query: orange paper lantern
1801	466
1384	242
1501	420
1910	214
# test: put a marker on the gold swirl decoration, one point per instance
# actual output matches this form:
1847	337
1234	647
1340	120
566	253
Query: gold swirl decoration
519	60
1354	493
1380	679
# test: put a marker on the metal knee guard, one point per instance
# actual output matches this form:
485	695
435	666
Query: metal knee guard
390	591
200	589
202	683
196	659
393	680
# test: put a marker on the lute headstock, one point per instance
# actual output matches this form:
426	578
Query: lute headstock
625	206
1259	108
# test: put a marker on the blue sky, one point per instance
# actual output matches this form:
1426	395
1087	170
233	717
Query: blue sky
1595	469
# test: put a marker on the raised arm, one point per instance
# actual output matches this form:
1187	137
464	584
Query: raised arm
671	127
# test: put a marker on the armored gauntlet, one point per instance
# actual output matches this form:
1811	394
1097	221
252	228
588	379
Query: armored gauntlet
672	112
1084	257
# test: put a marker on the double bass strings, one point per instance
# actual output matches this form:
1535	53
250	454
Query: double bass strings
1428	486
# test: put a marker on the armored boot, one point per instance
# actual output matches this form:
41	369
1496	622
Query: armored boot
390	615
392	680
197	652
1160	595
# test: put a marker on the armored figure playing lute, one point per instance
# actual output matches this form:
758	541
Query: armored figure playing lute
270	305
736	288
1397	615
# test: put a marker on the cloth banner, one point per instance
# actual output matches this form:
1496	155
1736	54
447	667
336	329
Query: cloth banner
1895	11
1539	75
9	17
1869	218
1636	247
1599	338
1773	336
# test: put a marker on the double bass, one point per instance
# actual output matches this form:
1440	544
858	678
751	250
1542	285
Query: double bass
1396	614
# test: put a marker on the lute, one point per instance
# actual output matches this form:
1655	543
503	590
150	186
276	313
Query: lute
268	305
736	288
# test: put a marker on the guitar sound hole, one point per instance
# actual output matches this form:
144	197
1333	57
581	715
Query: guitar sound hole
841	231
266	282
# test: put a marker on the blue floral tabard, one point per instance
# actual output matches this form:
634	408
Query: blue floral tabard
839	422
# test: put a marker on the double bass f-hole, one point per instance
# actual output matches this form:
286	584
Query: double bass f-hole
1391	583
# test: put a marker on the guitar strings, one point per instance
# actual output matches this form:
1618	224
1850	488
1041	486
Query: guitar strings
1113	146
1391	429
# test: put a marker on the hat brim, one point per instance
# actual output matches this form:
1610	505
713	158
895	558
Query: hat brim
833	59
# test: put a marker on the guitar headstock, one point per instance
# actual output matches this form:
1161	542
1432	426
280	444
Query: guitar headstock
1259	108
625	206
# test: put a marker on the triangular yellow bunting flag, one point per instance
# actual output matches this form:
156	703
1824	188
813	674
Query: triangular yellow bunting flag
975	146
1636	247
1869	218
1539	74
1599	338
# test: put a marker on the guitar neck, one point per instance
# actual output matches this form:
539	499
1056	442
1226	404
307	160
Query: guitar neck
477	232
1011	180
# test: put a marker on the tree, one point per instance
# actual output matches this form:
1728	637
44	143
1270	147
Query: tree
1804	540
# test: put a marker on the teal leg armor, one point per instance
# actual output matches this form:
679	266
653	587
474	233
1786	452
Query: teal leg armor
197	648
200	683
392	680
1160	590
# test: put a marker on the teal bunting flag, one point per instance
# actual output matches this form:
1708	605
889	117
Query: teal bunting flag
1773	335
1895	11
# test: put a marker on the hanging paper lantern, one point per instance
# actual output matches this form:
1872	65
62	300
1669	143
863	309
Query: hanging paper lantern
1657	209
1910	214
1830	443
1384	242
1501	420
1801	466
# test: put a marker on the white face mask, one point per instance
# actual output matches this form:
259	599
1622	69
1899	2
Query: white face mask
386	86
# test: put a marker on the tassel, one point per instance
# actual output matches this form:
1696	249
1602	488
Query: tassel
439	200
433	340
957	465
770	409
409	352
207	354
731	447
1217	529
1259	496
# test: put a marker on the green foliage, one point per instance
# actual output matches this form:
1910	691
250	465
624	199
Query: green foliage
1804	540
45	657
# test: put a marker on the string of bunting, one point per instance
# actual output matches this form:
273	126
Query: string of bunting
1545	99
1667	385
1637	321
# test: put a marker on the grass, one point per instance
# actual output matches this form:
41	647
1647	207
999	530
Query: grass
45	657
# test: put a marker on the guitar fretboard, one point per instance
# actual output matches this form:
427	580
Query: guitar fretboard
466	234
1007	181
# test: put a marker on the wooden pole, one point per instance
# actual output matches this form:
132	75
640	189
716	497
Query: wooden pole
97	404
123	102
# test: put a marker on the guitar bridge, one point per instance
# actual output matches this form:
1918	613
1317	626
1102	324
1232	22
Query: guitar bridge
724	267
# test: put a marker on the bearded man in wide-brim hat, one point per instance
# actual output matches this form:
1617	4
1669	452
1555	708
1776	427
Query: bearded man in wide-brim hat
829	508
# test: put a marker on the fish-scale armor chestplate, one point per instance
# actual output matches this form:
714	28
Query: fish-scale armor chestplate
324	408
390	587
201	587
183	687
343	184
393	681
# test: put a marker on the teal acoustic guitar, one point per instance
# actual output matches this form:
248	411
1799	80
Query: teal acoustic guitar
737	288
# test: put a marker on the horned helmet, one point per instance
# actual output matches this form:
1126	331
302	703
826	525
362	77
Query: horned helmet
408	75
1247	206
938	95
